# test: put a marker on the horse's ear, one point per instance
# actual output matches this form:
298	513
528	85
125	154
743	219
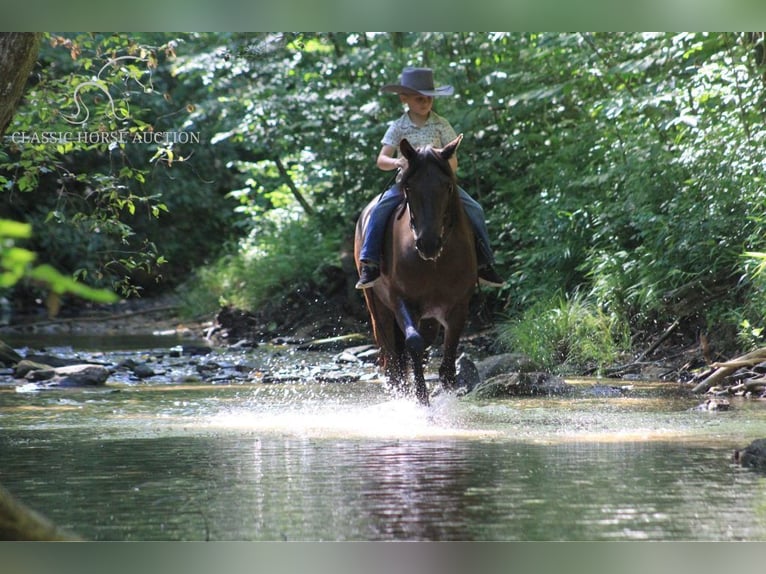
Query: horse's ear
449	150
407	150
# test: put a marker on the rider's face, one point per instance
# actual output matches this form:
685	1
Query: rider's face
418	104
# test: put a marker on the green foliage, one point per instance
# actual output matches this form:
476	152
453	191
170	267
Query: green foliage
65	174
13	260
286	253
628	166
747	318
567	335
16	266
86	163
636	171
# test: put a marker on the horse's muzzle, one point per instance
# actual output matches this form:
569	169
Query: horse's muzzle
429	248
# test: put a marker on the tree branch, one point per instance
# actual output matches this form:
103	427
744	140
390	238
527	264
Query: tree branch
291	184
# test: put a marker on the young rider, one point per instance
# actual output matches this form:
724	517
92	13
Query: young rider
421	126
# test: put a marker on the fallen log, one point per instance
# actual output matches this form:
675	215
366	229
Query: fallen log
726	368
748	386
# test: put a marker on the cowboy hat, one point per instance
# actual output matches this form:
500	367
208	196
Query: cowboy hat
418	81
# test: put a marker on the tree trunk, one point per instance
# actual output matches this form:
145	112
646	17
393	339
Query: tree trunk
18	54
18	522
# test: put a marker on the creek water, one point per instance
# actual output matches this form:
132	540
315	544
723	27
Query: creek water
167	459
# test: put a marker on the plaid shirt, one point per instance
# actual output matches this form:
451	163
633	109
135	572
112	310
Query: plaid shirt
436	132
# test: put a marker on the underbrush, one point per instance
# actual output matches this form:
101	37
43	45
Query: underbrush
276	258
567	334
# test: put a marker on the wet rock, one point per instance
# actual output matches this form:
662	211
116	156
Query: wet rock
232	325
80	375
84	375
712	405
25	366
370	355
201	350
143	371
40	375
53	360
346	357
207	370
363	349
337	377
357	355
598	390
522	384
128	364
8	356
279	378
504	363
753	455
467	377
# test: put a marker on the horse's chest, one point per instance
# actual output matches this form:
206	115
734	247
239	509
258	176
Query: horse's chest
433	292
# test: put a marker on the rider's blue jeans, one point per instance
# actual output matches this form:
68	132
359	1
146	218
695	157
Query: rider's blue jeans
372	247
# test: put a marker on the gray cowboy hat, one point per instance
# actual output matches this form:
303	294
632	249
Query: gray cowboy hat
418	81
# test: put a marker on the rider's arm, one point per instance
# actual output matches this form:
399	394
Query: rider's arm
386	160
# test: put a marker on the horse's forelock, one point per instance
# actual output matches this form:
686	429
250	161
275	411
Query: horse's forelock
428	155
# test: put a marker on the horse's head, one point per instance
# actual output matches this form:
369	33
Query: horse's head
431	189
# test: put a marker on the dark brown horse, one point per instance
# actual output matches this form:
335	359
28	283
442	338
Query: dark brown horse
428	270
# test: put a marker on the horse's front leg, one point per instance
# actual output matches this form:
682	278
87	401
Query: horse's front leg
453	327
415	345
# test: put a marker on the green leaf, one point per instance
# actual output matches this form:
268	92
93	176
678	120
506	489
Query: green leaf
15	229
17	257
62	284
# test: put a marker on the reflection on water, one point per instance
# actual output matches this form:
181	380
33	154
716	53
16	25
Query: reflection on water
347	462
272	488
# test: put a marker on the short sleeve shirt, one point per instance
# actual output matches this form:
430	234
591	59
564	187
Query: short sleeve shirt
436	132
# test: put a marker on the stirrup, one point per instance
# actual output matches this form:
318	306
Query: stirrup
489	277
368	276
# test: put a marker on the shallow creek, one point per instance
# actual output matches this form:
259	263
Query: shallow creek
310	457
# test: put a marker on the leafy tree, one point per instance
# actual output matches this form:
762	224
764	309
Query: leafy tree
17	54
621	172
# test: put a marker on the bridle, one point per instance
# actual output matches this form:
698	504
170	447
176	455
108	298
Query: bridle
448	222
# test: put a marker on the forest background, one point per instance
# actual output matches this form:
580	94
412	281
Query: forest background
622	173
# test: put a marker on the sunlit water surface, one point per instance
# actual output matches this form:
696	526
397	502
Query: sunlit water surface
308	461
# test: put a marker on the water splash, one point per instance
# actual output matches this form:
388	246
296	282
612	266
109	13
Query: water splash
400	418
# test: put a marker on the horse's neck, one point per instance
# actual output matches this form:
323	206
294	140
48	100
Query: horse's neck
456	207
